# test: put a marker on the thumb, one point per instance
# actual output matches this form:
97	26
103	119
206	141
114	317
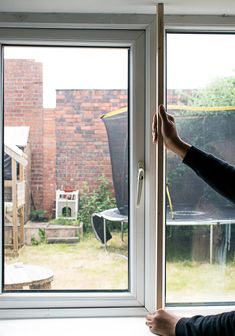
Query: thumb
162	112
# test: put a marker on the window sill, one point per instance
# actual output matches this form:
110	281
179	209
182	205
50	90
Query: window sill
200	310
75	326
99	326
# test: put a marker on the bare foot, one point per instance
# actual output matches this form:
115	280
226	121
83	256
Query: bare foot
162	323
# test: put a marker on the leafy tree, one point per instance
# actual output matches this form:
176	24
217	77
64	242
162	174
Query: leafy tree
220	92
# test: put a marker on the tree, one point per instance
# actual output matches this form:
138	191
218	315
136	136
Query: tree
220	92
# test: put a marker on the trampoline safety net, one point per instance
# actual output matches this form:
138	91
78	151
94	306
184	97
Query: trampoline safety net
116	124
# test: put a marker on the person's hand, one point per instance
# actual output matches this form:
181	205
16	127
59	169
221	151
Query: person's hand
162	323
169	133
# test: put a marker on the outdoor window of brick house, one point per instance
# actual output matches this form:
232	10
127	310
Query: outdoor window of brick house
200	230
66	170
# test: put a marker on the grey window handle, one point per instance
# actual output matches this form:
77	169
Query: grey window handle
140	181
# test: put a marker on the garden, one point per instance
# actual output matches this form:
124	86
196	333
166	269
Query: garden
79	261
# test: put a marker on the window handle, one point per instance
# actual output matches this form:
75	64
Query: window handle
140	181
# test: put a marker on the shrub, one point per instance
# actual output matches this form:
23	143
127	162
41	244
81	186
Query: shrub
64	221
42	238
98	200
38	215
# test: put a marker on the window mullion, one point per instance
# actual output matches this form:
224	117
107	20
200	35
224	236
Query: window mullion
1	158
160	161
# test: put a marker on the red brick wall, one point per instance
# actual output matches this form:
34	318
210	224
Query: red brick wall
68	144
82	153
75	140
178	97
23	107
49	160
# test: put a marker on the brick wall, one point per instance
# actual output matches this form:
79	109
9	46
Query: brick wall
49	161
75	145
69	143
23	107
82	153
178	97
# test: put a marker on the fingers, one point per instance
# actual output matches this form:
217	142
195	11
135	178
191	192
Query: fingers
154	128
149	324
149	317
164	115
162	112
154	123
170	117
167	121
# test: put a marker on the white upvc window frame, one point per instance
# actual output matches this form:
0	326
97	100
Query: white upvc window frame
16	305
136	32
199	24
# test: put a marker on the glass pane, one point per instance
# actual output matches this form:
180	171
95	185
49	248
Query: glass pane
66	168
200	224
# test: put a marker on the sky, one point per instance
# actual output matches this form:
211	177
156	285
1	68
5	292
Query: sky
193	60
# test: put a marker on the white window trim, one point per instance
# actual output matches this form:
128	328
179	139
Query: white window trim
205	23
140	38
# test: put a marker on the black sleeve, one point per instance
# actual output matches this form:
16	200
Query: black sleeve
217	173
211	325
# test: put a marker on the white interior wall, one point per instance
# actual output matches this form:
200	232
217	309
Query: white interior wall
202	7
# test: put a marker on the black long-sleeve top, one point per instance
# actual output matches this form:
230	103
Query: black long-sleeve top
220	176
209	325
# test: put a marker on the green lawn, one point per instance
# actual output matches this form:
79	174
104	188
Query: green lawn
197	282
87	266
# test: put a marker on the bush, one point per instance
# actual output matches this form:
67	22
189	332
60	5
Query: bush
98	200
42	238
220	92
64	221
38	215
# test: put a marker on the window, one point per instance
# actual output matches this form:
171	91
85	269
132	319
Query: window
200	222
42	109
68	116
143	285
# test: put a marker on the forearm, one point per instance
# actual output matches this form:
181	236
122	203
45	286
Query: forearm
215	172
179	147
211	325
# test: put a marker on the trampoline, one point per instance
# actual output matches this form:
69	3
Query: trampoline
190	217
192	203
116	124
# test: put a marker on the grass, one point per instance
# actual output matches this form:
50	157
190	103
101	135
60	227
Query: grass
198	282
87	266
82	266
